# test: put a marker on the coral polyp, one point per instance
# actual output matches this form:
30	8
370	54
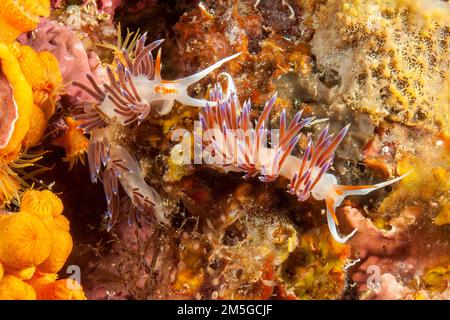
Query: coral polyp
24	116
74	143
243	147
17	16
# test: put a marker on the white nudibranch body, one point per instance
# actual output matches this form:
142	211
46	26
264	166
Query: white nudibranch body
324	187
135	89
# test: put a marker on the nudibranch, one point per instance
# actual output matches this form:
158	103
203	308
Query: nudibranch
28	82
234	143
41	69
35	244
135	90
74	143
18	16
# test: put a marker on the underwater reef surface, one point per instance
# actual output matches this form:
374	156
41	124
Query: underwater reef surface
108	128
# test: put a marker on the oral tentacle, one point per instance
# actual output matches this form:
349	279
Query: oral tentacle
187	81
157	74
363	190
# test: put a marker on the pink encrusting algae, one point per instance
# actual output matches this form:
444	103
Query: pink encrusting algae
241	146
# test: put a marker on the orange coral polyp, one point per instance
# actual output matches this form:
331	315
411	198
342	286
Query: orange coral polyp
47	206
74	143
23	274
65	289
41	69
23	120
18	16
25	240
40	280
37	128
22	96
62	222
47	95
34	245
12	288
41	203
61	247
